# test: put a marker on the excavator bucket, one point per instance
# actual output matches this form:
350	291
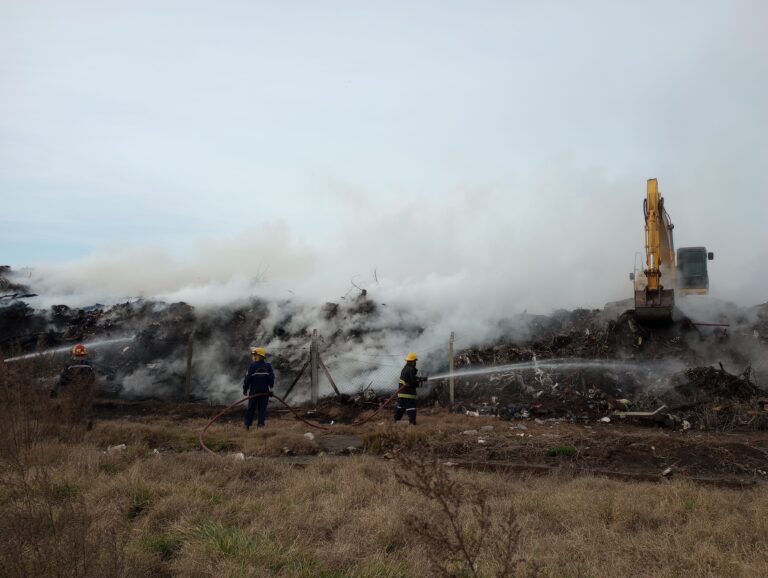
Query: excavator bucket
654	306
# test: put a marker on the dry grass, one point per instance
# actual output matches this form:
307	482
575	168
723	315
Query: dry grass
67	507
271	443
195	515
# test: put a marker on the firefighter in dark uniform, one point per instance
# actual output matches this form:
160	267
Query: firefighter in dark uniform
77	383
406	395
259	379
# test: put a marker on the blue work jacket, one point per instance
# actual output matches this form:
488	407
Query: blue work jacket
259	379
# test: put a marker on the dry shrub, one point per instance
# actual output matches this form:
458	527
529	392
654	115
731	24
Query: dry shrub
26	411
459	527
732	417
46	529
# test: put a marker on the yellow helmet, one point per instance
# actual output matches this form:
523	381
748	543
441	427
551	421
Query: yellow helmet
411	356
258	351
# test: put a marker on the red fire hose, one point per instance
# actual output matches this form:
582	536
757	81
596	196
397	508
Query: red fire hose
296	414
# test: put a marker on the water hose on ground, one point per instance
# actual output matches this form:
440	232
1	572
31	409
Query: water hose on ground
238	402
295	413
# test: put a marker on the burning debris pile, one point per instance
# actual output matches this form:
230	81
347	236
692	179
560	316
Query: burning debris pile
712	385
149	349
581	365
574	366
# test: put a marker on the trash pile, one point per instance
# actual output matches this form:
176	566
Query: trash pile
141	348
577	367
712	385
588	397
583	365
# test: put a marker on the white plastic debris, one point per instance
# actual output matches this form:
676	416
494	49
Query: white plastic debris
686	424
473	413
605	419
156	452
239	457
309	435
667	472
482	441
117	448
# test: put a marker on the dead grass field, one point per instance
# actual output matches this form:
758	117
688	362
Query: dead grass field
68	507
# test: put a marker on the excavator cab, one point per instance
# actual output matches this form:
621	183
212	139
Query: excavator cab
692	277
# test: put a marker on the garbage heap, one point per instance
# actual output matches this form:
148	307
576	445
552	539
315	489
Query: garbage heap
578	367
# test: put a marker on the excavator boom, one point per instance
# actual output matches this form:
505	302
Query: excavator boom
654	294
663	274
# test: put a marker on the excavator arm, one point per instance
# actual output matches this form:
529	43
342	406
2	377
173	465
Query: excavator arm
654	294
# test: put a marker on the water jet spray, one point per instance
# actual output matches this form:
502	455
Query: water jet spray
88	344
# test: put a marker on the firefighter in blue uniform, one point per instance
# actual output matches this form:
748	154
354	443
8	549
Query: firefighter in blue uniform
259	379
406	395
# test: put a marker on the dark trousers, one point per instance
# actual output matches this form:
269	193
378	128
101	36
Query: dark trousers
253	403
406	405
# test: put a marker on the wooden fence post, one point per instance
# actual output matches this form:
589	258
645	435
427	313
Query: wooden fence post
314	369
188	380
451	384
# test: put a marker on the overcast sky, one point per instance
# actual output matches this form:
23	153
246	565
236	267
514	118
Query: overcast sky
484	150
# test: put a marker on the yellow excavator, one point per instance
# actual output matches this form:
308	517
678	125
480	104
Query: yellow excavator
665	271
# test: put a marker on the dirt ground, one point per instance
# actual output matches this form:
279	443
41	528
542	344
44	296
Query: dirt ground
616	449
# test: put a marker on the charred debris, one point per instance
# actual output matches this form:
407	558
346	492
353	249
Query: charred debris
685	375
